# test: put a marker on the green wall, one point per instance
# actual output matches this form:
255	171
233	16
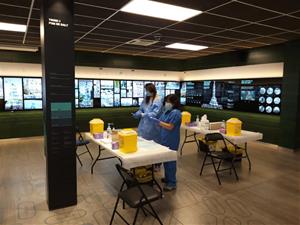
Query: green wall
30	123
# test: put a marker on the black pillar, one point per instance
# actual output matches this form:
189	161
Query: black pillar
290	115
57	44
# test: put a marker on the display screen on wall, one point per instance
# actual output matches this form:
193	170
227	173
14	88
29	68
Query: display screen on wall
138	89
129	89
117	86
107	93
242	95
13	93
160	88
33	104
97	89
1	88
85	93
32	88
117	101
126	101
173	85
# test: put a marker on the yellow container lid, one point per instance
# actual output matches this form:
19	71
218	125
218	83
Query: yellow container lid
185	113
127	132
234	121
96	121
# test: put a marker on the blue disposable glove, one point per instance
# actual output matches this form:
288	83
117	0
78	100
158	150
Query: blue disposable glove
154	120
136	115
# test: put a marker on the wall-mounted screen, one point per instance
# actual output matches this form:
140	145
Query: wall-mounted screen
33	104
168	92
173	85
258	95
160	88
107	84
1	88
117	86
117	101
107	97
97	89
107	93
85	93
76	83
129	89
32	88
13	94
126	101
138	89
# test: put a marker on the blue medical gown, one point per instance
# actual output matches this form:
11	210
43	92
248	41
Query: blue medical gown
147	129
171	138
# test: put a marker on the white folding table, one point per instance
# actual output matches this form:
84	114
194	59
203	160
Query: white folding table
148	153
236	141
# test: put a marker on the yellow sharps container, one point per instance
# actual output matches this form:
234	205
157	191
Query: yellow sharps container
185	117
96	126
233	127
128	140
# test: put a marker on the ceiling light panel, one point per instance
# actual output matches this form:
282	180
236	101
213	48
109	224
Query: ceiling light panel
159	10
12	27
189	47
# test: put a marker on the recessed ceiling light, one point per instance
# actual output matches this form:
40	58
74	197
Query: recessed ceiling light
12	27
186	46
18	48
159	10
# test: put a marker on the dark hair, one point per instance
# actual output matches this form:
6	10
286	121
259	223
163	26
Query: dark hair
152	89
172	98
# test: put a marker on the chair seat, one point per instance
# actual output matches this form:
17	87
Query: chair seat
222	155
82	142
132	196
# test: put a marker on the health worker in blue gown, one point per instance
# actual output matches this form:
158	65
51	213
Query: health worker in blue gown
150	107
169	123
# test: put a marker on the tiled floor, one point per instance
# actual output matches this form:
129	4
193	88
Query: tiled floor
268	195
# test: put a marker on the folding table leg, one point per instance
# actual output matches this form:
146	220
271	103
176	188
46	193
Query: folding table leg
114	212
97	158
247	156
185	137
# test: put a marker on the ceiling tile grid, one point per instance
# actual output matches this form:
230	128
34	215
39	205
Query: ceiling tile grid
224	25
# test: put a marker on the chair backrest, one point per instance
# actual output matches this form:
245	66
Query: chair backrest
127	176
216	137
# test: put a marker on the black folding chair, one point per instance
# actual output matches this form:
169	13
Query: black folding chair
81	142
136	196
222	156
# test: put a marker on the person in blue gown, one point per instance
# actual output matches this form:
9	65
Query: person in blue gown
169	123
150	107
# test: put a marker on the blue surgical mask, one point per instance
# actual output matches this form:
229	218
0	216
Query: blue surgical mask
149	94
168	106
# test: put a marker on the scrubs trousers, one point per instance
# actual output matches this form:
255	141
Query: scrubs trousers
170	173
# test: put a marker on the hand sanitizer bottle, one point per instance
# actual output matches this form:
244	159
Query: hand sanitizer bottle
197	121
108	130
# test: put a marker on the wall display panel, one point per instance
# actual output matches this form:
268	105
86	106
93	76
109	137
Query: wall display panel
85	93
1	88
129	89
168	92
138	89
32	88
126	101
183	93
160	88
117	86
13	93
256	95
33	104
76	83
107	93
97	89
173	85
117	101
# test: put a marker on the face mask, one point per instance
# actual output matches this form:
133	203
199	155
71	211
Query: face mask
149	94
168	106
